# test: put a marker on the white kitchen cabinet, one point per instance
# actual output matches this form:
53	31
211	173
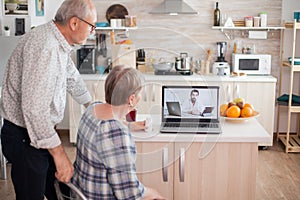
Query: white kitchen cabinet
197	170
75	112
96	89
150	102
260	94
154	165
262	97
151	98
259	91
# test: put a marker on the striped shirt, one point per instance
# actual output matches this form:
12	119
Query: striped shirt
38	75
105	160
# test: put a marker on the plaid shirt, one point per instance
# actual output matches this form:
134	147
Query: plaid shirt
105	160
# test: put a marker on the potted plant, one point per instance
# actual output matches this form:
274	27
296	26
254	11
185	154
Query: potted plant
6	31
12	5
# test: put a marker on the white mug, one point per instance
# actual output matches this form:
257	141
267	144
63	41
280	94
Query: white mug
148	124
113	23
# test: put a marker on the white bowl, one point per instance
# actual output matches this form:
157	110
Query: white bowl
163	66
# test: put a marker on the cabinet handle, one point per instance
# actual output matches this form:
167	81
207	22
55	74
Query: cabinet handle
228	93
237	91
145	93
181	165
153	92
165	165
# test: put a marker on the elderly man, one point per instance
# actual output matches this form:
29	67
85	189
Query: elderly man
39	73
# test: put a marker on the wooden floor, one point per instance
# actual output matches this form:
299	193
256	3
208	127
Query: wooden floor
278	176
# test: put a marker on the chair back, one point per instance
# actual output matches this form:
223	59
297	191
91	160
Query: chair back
74	194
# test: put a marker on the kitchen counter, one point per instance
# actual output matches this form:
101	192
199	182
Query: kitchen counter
200	166
232	131
248	87
192	78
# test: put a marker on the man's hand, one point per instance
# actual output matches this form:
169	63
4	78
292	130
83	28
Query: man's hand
64	167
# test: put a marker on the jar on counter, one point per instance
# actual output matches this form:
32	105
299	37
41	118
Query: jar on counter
263	19
249	21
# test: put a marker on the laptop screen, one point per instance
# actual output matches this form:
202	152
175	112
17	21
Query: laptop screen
190	103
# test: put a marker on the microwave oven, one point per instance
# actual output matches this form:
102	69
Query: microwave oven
252	64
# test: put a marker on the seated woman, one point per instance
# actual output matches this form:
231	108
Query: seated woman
106	153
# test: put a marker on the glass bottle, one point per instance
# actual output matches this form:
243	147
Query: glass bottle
217	15
235	48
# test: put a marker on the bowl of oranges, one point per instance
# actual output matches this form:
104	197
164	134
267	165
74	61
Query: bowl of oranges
238	110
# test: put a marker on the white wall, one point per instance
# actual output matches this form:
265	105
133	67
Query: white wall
31	19
288	8
51	7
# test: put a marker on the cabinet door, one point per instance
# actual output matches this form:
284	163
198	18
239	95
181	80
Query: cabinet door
99	90
262	97
75	112
155	166
215	171
150	102
226	91
96	89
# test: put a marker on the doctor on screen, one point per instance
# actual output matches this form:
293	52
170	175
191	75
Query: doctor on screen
193	105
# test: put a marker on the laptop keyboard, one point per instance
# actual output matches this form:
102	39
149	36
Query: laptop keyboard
192	125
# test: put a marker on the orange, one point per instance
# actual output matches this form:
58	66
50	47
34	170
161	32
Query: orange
233	111
249	105
223	109
247	112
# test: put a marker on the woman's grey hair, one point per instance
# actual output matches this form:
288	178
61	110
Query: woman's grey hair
121	83
72	8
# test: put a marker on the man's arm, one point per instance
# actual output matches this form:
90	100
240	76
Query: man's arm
64	167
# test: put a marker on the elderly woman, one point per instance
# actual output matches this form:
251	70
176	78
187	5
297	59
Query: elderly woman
105	161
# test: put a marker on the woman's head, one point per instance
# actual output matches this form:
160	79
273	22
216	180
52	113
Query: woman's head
121	84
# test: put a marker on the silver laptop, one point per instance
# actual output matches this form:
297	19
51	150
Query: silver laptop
173	108
190	109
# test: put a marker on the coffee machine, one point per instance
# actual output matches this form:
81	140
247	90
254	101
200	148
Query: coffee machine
86	59
221	66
